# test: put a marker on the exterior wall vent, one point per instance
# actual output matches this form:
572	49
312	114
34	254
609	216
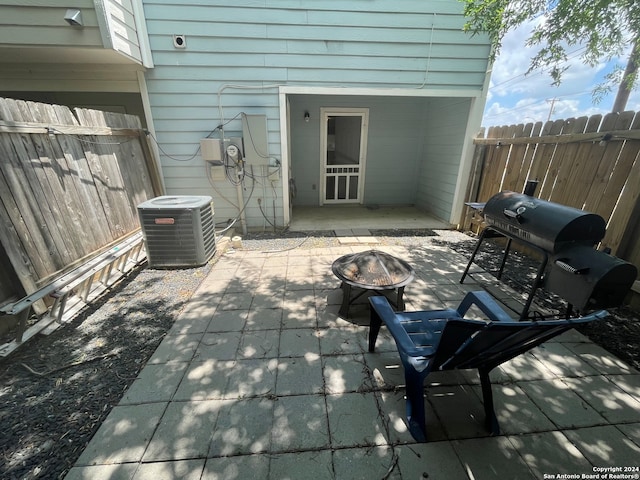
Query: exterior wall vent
178	231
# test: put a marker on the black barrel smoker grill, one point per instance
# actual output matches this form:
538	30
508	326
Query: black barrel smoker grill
585	278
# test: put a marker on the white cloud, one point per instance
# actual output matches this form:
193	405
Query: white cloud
518	98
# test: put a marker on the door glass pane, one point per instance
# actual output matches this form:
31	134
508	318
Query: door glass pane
342	187
353	187
330	188
343	140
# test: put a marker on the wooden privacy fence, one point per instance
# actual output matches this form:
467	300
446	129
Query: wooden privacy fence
69	188
591	163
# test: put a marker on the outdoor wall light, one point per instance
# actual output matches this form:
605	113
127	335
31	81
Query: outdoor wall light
306	117
74	17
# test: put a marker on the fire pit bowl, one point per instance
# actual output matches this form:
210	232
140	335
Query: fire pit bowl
371	270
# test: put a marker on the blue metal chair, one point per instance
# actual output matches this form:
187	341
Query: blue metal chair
444	340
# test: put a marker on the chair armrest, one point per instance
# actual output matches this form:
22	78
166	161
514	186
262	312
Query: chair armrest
383	309
486	303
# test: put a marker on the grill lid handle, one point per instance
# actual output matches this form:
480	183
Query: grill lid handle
511	214
568	268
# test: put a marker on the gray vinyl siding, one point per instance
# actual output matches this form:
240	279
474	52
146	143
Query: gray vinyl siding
351	44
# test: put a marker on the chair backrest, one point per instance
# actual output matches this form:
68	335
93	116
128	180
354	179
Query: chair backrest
474	344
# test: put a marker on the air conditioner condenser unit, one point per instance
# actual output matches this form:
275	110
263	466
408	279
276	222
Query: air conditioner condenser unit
178	230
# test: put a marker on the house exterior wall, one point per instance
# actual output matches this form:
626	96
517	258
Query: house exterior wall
444	126
239	54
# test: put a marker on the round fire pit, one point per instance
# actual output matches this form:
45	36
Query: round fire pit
371	270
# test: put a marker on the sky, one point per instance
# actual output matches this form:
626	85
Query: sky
518	98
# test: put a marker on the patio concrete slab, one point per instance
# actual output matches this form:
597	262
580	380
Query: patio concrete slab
613	403
354	420
217	346
183	469
492	457
557	358
185	431
259	344
551	453
228	321
459	410
600	359
605	446
243	427
252	377
236	468
264	319
429	460
260	378
366	463
300	423
205	380
299	342
118	471
628	383
564	407
345	373
313	465
517	413
299	376
180	348
155	383
123	437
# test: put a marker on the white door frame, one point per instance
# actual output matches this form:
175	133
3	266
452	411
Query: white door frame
325	113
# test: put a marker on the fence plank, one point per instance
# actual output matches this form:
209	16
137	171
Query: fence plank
607	164
75	213
527	158
494	164
514	160
547	166
622	192
620	172
26	216
583	166
563	158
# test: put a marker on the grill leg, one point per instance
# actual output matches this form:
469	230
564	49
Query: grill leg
536	283
504	258
473	255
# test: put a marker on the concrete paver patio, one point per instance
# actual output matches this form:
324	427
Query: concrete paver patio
260	378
